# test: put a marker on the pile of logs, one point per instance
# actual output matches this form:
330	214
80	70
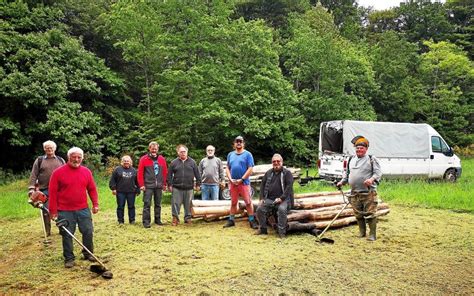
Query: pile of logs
310	210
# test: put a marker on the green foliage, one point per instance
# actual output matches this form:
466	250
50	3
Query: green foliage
110	76
448	75
47	72
395	61
332	76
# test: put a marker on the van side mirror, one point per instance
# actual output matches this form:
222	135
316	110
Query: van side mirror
449	152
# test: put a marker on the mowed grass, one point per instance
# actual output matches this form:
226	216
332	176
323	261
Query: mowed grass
419	251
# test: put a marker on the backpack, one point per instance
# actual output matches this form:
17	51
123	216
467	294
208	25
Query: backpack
40	160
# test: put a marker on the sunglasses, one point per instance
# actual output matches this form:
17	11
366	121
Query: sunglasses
239	141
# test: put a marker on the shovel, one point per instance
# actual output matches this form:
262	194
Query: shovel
326	240
99	269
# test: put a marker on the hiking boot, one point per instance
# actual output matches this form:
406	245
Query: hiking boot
253	224
175	221
372	227
159	223
89	258
146	225
281	235
316	232
188	221
230	223
362	227
261	231
69	264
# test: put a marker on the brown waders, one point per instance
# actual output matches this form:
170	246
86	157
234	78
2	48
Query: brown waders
364	205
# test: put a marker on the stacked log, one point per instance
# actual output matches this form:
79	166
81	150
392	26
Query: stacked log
311	210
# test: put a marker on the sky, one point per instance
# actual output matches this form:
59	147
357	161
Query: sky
382	4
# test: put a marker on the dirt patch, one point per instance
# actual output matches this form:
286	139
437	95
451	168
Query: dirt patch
418	251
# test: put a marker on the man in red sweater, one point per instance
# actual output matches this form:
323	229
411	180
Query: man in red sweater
68	189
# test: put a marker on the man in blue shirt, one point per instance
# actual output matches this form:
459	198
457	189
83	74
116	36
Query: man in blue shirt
239	168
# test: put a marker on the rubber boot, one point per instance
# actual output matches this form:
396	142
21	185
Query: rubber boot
372	227
362	227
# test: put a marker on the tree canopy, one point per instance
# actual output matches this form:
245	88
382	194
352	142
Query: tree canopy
111	76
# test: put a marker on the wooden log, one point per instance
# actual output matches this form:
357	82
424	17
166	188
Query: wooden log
329	208
316	194
317	202
311	215
206	211
298	226
216	203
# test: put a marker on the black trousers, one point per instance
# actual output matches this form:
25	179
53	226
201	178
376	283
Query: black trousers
268	208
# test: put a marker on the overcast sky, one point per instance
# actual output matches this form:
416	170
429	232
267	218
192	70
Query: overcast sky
383	4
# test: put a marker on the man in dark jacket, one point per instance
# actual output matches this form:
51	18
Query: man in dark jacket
152	172
275	194
182	172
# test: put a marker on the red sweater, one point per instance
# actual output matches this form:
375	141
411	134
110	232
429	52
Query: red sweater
68	188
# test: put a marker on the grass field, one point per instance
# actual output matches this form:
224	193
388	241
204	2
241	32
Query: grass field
424	246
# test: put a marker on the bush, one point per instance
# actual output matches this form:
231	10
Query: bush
7	176
467	151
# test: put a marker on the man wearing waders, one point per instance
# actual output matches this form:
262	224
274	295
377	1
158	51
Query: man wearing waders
363	173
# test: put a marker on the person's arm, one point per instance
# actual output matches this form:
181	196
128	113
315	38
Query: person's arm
262	186
170	177
288	182
92	191
197	176
33	177
345	174
113	181
53	196
376	172
200	168
221	172
164	170
140	173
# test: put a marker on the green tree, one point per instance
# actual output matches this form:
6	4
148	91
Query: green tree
332	76
213	77
41	66
395	62
461	15
448	76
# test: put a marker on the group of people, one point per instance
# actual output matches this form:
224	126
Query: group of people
69	184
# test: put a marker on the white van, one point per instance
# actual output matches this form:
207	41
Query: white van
404	150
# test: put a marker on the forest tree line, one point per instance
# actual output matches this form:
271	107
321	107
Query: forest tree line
111	76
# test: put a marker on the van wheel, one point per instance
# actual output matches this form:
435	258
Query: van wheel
226	193
450	175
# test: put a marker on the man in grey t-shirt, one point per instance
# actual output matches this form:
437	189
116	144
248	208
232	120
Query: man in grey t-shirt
363	173
212	175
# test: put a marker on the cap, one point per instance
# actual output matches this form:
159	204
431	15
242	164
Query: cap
360	141
239	138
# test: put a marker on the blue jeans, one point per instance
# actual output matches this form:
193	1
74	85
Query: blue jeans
83	219
210	191
129	198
